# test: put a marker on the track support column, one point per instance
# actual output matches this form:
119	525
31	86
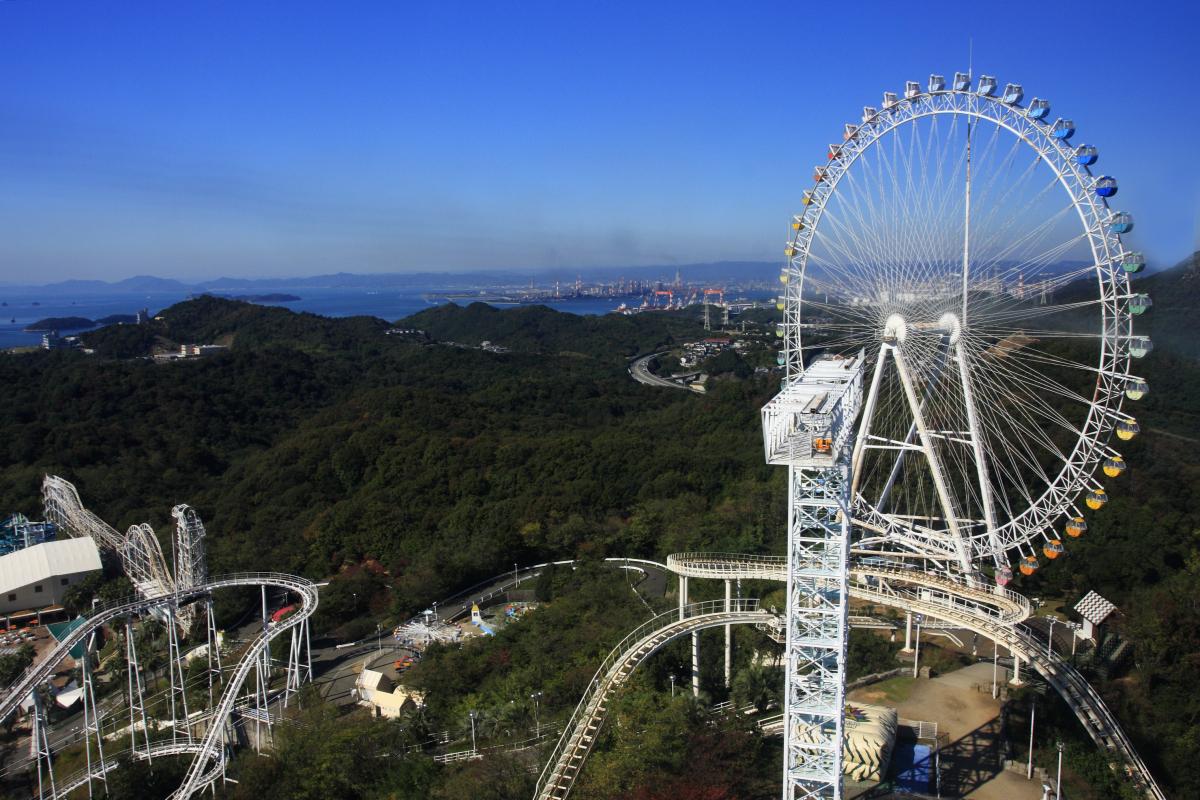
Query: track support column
908	648
728	634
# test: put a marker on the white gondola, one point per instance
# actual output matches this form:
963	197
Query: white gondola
1013	93
937	83
1121	222
868	112
1133	262
890	99
851	131
911	89
1140	303
986	85
962	82
1140	346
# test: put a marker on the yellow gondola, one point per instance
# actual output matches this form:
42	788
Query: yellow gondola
1029	565
1096	499
1076	527
1127	429
1053	549
1114	466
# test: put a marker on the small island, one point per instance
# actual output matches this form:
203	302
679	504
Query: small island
59	324
276	297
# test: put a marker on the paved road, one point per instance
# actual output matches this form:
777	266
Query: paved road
640	370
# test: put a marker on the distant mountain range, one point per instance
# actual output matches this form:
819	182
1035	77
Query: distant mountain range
741	271
714	273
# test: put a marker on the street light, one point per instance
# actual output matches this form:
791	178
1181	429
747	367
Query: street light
1050	639
514	574
917	652
537	725
472	715
672	677
1058	781
379	636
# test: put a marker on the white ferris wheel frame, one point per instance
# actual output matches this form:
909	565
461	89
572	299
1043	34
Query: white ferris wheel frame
1112	374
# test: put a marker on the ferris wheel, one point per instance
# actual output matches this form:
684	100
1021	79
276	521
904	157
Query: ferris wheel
963	242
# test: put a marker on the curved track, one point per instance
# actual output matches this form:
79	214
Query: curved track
579	734
992	612
209	748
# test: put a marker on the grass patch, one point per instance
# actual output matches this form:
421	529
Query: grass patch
893	690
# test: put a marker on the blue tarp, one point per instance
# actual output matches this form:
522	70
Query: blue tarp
912	764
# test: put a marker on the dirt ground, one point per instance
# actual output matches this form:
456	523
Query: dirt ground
972	757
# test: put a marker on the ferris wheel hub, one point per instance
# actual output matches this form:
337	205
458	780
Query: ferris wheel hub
895	329
950	325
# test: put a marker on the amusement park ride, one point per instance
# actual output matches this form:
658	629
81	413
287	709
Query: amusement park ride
940	426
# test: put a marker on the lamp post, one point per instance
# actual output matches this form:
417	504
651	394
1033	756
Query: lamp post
995	663
1058	781
1032	720
379	637
1050	639
435	616
537	725
472	715
672	677
917	651
514	574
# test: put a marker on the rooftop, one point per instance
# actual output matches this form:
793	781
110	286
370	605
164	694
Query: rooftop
43	561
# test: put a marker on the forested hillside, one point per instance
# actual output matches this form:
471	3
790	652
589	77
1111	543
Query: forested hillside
314	444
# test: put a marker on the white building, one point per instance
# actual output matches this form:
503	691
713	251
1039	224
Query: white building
39	576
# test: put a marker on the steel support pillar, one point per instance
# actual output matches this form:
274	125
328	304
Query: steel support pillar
908	648
696	664
137	694
817	591
91	717
39	742
728	634
178	691
1016	676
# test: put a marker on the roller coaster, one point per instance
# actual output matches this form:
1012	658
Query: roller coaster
994	612
179	598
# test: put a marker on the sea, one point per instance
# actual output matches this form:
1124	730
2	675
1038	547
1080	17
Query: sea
22	307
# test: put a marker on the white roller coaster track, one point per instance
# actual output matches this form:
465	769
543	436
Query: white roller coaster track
994	613
210	748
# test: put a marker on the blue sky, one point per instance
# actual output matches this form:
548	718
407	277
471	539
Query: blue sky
197	139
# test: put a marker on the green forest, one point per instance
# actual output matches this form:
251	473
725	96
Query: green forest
322	445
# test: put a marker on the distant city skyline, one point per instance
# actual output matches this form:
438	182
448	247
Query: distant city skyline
198	140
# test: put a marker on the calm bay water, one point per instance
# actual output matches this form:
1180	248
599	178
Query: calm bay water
19	309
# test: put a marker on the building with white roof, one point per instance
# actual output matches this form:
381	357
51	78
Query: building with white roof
1094	609
40	575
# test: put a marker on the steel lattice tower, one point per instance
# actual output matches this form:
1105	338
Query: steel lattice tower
808	427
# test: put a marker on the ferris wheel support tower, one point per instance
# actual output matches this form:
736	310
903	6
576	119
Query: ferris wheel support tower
808	427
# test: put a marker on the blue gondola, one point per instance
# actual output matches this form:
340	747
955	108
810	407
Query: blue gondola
1086	154
1013	94
1121	222
986	86
937	83
1038	109
1106	186
780	359
1063	129
962	82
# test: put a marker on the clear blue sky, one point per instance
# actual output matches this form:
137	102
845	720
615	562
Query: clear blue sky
197	139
